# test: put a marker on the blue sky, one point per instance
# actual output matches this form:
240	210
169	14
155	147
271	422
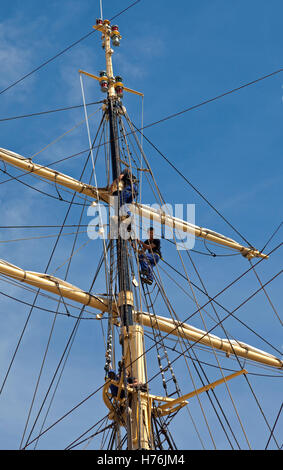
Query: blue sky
178	55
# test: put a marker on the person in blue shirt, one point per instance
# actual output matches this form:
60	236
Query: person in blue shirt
132	381
113	388
126	187
150	259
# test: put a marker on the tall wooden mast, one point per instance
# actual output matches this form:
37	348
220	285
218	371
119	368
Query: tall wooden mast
137	409
137	415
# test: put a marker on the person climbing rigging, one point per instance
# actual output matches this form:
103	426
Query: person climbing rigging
149	260
113	388
132	381
126	187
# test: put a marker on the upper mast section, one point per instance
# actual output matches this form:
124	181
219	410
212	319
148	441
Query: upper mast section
109	83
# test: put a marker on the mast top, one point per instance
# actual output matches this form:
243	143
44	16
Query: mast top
108	82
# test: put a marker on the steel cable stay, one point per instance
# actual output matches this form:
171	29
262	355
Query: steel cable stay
52	328
220	305
273	234
208	350
37	293
104	252
2	227
266	294
237	308
225	332
180	340
65	415
46	309
40	113
99	389
191	185
45	236
272	431
65	352
101	422
212	391
163	201
42	366
162	119
50	182
148	309
167	335
197	341
161	350
65	361
15	178
188	109
128	158
67	271
60	137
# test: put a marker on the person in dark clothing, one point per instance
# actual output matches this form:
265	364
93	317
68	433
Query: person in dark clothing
151	258
132	381
126	188
113	388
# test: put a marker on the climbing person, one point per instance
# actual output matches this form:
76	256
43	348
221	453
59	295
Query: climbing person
133	382
126	187
151	258
113	388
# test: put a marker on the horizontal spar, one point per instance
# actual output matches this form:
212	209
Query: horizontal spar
52	175
200	232
191	333
53	284
103	194
69	291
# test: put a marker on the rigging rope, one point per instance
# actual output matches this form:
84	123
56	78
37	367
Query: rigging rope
238	414
65	133
274	233
229	92
59	198
47	266
63	51
271	433
225	309
219	293
66	275
191	185
40	113
266	294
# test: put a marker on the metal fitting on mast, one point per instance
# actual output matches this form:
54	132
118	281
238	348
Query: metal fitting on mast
109	34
